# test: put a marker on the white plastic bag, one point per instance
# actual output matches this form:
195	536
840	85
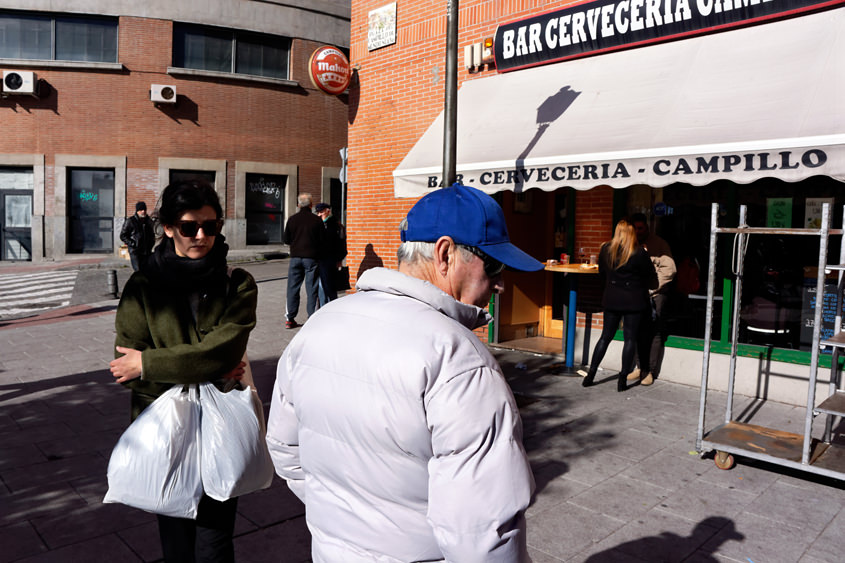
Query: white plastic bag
155	465
235	458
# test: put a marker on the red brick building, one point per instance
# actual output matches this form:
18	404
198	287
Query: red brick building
595	110
104	103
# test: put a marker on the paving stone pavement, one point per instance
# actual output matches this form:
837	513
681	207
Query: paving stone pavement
617	477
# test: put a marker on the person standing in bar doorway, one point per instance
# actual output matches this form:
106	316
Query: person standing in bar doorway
334	251
305	234
391	419
628	274
652	334
138	235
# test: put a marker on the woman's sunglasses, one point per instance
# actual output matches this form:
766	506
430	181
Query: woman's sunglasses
492	267
191	228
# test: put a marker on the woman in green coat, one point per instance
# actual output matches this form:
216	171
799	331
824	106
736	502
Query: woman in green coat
184	318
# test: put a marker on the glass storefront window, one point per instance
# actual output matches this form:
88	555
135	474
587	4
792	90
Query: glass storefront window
779	271
265	208
90	210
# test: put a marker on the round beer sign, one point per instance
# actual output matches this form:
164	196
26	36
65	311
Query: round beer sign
329	70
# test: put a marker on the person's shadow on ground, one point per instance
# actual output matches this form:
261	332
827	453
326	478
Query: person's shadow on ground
705	539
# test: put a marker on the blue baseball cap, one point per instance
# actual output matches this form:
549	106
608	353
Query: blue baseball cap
470	217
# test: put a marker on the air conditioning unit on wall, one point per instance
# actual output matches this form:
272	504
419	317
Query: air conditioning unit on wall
163	93
20	82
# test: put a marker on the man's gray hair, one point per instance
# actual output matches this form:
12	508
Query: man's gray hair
304	200
414	252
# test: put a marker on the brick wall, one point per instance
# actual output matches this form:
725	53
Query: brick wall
399	92
105	112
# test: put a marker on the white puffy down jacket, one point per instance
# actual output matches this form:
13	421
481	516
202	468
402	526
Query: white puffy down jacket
394	424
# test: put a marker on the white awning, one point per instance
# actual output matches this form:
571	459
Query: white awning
761	101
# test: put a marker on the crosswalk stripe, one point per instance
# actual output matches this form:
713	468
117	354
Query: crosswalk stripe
35	293
15	280
41	298
4	293
30	310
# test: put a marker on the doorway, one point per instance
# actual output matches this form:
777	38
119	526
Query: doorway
16	201
16	231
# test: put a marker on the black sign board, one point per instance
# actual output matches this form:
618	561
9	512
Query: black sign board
808	311
610	25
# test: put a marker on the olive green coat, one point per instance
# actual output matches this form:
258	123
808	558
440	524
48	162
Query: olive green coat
174	348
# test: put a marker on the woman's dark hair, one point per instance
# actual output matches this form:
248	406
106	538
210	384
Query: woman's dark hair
183	196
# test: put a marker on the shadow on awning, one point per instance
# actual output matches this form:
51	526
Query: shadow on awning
761	101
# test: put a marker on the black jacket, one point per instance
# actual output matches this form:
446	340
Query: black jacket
626	288
335	243
138	235
305	234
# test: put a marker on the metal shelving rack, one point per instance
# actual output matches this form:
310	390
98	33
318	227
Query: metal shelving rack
797	451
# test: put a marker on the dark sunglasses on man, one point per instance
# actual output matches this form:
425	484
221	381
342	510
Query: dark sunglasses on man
211	228
492	267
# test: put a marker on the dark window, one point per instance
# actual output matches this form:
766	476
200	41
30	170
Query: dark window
89	40
65	38
261	55
202	48
226	50
337	199
265	208
90	210
183	175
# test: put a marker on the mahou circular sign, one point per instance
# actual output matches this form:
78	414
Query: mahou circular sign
329	70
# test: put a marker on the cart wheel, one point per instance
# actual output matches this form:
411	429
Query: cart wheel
724	460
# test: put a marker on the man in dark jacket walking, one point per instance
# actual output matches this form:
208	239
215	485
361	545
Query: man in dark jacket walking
138	235
305	235
334	251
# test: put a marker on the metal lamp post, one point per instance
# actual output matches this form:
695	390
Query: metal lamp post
450	112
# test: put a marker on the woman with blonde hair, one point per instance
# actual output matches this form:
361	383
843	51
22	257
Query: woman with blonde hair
628	274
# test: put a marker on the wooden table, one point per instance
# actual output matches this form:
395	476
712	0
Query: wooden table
570	311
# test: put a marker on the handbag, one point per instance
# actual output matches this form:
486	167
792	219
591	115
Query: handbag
235	458
155	465
341	280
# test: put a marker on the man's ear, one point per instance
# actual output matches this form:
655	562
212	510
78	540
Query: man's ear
443	251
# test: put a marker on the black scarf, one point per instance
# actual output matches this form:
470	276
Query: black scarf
165	268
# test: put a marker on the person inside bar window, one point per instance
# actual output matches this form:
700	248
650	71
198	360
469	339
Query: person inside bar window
652	333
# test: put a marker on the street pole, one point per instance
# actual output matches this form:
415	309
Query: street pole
344	154
450	112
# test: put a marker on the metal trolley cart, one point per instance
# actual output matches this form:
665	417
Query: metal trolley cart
796	451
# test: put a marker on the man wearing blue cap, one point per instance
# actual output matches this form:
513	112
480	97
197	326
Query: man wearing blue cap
390	418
